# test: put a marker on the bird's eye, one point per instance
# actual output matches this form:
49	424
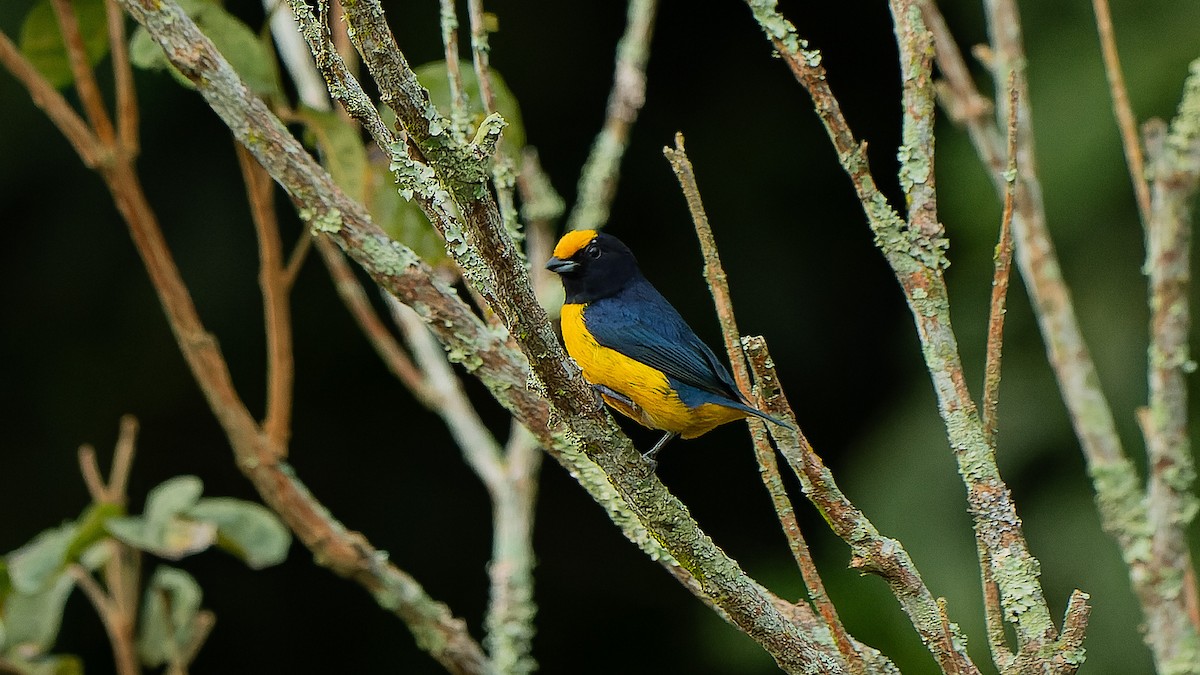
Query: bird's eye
593	251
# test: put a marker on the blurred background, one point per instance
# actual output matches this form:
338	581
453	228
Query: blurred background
84	341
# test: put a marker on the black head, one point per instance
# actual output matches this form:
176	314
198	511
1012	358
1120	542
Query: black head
592	265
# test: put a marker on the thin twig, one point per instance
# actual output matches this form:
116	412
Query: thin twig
46	97
85	83
277	313
480	53
1003	264
127	106
386	346
458	96
116	624
503	174
296	259
511	606
718	286
1126	121
97	490
598	182
993	614
118	475
479	447
872	552
310	88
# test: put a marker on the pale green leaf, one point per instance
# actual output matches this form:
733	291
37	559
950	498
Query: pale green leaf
41	40
169	609
341	149
250	531
172	497
33	565
174	539
32	620
434	77
252	57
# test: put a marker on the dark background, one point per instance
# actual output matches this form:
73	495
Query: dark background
84	341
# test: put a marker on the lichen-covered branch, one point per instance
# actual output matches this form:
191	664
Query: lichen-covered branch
488	258
1170	497
871	551
347	553
578	420
718	286
598	182
915	250
1123	504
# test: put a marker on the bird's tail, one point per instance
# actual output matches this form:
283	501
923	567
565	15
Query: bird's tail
758	413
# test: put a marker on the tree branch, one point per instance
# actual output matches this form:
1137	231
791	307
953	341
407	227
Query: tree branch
598	182
718	286
1170	498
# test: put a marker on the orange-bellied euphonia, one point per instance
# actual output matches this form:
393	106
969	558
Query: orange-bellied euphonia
635	348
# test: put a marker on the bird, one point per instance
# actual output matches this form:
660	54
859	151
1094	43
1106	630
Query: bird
635	349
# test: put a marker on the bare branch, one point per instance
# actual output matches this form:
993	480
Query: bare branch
46	97
85	80
272	279
127	107
1126	121
1000	276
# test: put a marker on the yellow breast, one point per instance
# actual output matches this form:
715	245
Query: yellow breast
657	404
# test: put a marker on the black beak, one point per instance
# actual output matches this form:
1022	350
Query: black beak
560	266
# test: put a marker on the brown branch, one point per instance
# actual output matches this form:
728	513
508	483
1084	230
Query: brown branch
117	624
1000	276
127	107
296	259
345	552
273	280
386	346
85	83
96	488
46	97
1126	121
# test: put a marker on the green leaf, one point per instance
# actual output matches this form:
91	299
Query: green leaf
172	497
342	150
169	610
31	567
249	531
434	77
401	219
32	620
252	57
174	539
41	40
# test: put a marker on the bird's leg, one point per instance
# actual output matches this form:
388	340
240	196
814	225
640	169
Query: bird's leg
611	393
653	452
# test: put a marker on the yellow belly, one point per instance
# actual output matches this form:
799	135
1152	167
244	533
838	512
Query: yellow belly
656	405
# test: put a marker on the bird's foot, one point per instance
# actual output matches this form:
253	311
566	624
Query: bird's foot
613	394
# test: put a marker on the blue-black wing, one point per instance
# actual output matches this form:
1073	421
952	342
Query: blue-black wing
640	323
